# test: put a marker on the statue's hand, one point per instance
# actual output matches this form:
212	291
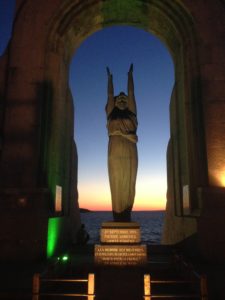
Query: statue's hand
108	72
131	69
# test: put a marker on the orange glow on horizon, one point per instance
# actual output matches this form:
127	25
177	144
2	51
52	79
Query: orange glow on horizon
150	195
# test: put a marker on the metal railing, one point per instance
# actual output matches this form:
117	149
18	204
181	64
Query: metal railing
148	282
37	280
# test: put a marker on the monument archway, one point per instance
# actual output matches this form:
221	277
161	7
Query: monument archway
176	32
38	155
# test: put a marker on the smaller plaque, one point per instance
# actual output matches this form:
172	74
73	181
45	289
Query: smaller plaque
58	199
186	200
120	235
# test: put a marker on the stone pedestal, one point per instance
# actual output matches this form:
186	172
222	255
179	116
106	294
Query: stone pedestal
120	245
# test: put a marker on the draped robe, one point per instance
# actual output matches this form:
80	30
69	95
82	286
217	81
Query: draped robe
122	158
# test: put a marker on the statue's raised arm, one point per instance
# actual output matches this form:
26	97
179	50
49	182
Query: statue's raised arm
130	88
110	102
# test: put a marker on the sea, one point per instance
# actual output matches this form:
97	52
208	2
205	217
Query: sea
151	224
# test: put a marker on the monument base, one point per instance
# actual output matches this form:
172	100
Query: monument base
120	245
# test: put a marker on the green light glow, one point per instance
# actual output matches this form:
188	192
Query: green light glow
54	226
65	258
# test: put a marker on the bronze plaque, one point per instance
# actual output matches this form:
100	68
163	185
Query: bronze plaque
120	255
120	235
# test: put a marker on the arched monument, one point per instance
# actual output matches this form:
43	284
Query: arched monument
38	154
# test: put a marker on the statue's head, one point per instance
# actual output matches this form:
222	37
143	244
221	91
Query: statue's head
121	101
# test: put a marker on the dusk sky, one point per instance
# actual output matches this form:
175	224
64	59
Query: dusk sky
117	47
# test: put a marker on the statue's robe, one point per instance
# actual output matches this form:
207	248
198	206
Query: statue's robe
122	161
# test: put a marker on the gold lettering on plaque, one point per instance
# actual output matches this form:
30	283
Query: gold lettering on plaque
120	255
120	235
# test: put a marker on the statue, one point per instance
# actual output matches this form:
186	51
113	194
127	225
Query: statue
122	149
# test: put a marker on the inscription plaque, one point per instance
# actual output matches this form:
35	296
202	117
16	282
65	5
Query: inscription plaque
120	255
120	233
58	199
186	200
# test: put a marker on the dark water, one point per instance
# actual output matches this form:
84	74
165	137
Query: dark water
151	223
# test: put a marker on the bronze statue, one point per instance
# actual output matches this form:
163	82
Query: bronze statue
122	149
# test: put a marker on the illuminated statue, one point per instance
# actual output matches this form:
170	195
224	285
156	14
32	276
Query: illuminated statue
122	149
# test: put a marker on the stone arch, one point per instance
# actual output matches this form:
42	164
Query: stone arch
175	26
37	151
